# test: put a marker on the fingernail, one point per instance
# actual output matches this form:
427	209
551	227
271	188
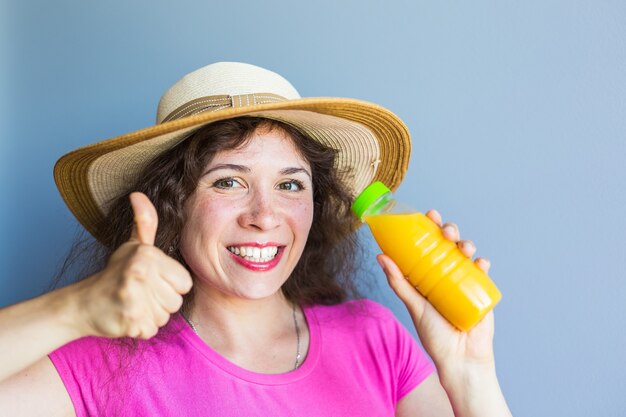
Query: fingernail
466	244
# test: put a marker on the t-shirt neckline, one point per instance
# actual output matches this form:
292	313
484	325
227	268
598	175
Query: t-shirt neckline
238	372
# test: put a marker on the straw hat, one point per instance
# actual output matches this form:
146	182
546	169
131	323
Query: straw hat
373	143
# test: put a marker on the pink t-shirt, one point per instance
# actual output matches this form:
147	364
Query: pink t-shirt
360	362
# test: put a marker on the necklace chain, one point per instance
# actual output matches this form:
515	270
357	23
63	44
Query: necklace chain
295	322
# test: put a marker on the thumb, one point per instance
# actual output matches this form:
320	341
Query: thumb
146	219
413	300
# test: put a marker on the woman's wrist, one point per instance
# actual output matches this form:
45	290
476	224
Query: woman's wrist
472	371
65	306
473	389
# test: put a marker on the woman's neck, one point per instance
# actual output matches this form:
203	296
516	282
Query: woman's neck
258	335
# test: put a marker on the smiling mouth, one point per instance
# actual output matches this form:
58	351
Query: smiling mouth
255	254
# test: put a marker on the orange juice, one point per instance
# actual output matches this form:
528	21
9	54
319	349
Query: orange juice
451	282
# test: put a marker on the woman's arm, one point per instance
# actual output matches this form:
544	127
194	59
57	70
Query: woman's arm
428	399
133	296
466	391
474	390
32	329
29	383
464	360
36	391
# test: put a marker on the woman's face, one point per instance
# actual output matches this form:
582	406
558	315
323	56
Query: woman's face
249	218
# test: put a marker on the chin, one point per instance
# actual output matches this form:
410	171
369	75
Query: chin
257	293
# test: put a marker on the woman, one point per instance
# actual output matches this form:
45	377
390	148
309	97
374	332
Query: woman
242	223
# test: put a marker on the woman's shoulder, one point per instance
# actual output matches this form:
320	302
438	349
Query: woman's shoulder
370	333
86	346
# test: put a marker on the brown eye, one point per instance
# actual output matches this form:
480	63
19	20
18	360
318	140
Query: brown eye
226	183
291	185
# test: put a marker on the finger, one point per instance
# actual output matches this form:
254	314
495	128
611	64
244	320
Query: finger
133	318
148	330
165	296
133	331
159	316
146	220
144	326
434	216
451	232
413	300
176	275
146	314
483	263
467	247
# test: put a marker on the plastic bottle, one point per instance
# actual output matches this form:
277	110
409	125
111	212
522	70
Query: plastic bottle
436	267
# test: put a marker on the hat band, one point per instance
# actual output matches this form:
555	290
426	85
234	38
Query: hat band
215	103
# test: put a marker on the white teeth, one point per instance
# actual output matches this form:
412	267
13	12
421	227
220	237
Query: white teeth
255	254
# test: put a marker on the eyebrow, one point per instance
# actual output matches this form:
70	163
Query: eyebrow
245	169
294	170
234	167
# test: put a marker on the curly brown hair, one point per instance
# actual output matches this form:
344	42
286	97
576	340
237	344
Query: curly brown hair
326	270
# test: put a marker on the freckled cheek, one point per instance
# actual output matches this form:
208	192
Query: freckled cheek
205	227
213	209
205	219
303	217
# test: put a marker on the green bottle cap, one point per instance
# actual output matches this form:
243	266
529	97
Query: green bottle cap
368	196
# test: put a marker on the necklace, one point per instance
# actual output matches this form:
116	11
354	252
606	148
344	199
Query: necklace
295	323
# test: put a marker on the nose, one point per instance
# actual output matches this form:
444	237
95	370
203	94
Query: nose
260	212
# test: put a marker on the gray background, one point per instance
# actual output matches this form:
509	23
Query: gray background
518	116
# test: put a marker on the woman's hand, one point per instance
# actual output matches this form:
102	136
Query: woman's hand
140	286
450	348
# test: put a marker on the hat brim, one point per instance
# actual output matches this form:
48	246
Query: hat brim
370	139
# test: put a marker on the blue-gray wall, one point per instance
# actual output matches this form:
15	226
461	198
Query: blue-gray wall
518	114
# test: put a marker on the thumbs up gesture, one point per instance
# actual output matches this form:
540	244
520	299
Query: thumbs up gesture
140	286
